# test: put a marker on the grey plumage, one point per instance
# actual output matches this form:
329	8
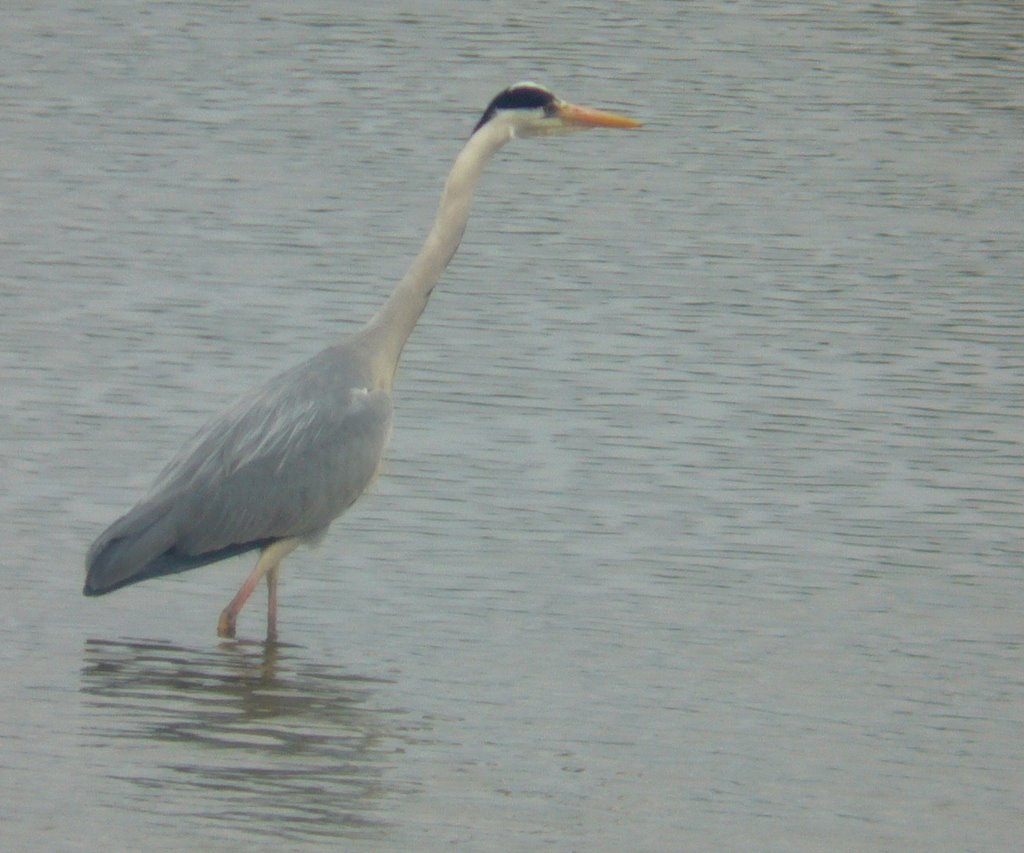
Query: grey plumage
283	461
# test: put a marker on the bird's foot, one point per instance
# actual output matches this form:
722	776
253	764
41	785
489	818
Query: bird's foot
226	624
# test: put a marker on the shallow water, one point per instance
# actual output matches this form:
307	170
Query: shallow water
701	522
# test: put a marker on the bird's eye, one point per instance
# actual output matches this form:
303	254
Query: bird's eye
550	110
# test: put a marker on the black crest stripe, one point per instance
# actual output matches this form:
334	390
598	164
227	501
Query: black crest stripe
516	98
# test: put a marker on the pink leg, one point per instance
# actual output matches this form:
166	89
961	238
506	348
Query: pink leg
269	561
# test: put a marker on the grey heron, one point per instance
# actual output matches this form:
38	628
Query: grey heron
277	467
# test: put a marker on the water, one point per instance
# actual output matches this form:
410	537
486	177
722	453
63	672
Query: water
701	523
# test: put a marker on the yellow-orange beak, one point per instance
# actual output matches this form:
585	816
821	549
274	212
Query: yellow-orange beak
589	117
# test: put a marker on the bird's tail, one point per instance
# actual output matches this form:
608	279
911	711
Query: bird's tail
141	545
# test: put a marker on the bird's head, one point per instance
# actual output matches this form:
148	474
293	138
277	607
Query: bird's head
527	109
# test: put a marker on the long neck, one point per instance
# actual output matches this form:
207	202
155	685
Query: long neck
385	335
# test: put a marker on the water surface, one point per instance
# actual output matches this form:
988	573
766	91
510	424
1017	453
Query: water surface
701	524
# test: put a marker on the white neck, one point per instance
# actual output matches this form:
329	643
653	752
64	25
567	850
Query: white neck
385	335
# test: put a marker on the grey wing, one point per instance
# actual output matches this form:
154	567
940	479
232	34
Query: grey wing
284	469
284	461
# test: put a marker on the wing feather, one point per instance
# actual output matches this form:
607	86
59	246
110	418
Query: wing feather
284	461
281	472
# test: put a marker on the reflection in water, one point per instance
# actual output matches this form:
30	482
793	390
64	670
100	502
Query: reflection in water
252	738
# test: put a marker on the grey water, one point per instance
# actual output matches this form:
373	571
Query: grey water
701	523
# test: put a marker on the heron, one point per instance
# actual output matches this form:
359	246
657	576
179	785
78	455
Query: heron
275	469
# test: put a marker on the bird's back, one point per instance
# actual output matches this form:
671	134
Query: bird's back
283	461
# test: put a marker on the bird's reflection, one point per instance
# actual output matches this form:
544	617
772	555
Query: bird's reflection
253	738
